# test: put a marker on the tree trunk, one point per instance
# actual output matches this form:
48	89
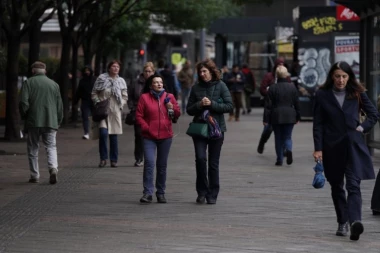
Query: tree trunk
64	74
34	45
74	69
104	63
87	53
12	118
98	61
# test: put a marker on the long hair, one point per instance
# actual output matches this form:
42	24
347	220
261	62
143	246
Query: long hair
149	82
353	87
210	65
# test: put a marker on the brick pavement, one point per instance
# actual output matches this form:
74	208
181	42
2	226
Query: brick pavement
261	208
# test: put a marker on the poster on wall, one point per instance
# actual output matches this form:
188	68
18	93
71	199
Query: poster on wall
346	48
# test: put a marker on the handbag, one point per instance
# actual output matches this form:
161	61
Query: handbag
198	130
319	178
130	119
362	114
101	110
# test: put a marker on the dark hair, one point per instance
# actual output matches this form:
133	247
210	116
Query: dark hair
210	65
112	63
149	82
353	88
235	66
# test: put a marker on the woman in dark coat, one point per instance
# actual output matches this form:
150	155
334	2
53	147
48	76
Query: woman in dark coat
212	94
282	111
339	143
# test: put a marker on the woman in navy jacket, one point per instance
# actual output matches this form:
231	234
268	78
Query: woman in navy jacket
339	143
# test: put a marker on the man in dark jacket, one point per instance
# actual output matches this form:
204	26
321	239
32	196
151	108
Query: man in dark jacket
249	87
235	81
169	80
84	94
41	109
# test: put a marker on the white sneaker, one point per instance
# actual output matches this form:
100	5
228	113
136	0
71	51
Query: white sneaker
86	137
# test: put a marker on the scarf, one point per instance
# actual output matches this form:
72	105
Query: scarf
116	85
156	94
214	130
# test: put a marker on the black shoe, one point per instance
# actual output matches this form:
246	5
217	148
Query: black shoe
33	180
139	163
243	112
146	199
249	111
357	229
161	198
53	176
375	212
201	199
102	163
278	163
342	229
114	164
211	201
289	157
260	148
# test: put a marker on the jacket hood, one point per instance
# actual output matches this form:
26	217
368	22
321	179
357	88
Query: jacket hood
276	63
245	70
89	68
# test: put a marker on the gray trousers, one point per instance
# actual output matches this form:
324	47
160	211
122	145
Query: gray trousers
49	139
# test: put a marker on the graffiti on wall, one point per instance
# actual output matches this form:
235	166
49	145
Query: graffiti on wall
322	25
315	64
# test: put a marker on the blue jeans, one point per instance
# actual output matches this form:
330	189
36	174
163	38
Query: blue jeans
350	208
184	97
283	139
207	182
163	148
103	151
85	109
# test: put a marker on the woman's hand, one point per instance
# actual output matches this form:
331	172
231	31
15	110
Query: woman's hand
169	105
317	155
205	101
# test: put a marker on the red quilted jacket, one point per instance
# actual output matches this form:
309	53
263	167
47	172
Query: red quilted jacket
152	116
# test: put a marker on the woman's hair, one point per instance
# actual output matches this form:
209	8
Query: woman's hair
149	82
112	63
353	88
149	64
210	65
282	72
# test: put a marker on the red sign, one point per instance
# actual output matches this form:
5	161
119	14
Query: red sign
345	14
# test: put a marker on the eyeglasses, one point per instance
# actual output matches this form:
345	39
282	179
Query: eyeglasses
148	71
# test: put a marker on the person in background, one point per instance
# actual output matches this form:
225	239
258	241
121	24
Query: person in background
339	143
269	79
134	94
186	79
212	94
153	117
235	81
169	80
282	111
42	110
249	88
110	86
83	94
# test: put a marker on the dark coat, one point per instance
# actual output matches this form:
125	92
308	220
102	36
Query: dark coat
281	104
221	101
134	92
335	134
169	82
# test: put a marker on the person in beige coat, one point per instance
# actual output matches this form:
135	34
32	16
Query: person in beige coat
110	85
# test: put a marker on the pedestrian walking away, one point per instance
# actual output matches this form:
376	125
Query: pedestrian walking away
235	81
134	94
282	111
110	86
339	143
83	93
156	110
212	94
42	111
186	79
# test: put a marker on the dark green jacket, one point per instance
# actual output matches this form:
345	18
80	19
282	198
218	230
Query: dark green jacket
40	102
221	101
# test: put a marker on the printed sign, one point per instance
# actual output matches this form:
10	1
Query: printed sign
347	49
345	14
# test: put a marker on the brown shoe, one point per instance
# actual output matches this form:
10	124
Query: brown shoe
230	118
102	163
114	164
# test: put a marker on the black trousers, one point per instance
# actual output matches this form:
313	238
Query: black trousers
207	182
139	144
347	208
375	202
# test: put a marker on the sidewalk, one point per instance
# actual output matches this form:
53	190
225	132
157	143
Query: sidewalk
261	207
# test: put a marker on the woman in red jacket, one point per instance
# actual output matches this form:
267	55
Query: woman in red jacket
155	110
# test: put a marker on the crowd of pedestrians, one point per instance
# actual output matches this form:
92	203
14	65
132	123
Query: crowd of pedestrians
209	93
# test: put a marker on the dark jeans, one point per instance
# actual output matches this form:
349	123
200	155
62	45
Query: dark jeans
163	148
85	108
139	144
283	139
207	182
103	151
265	135
375	201
350	208
237	99
185	92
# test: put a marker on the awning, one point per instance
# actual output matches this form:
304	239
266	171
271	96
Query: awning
359	6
